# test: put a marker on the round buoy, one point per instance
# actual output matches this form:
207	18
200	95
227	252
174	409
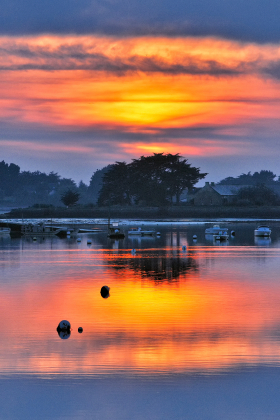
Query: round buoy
105	292
68	232
79	240
89	242
64	325
80	330
34	238
64	329
158	233
184	247
194	237
133	251
232	233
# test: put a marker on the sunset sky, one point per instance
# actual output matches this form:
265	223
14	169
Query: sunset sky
85	83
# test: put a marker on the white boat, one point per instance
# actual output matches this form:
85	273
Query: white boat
5	231
262	230
215	230
140	232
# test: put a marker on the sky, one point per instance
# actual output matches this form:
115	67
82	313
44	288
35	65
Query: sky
86	83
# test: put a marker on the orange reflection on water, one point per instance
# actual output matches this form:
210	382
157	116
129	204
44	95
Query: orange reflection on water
209	317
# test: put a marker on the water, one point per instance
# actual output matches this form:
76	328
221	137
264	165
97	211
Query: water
189	333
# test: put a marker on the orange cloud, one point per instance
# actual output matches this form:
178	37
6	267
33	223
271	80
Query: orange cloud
142	86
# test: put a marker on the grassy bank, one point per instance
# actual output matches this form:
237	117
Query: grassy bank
130	212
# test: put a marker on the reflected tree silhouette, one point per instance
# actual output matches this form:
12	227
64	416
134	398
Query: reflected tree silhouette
164	266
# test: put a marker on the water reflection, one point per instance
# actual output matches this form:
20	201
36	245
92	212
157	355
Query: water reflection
260	241
157	265
208	308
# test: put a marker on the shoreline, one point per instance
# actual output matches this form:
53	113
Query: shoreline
147	213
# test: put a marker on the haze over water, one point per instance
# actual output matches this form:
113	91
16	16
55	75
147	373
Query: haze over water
184	334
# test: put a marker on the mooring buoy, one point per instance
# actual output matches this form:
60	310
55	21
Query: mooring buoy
105	292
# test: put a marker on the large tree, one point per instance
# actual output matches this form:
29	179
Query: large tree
116	185
151	180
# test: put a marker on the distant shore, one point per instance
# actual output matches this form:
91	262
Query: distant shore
131	212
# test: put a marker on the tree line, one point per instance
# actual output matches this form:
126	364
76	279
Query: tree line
154	180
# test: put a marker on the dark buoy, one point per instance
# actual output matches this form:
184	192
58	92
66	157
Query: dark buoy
105	292
64	329
184	248
232	233
80	330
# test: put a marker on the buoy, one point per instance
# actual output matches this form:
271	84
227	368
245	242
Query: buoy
79	240
232	233
64	325
80	330
89	242
105	292
68	233
133	251
158	233
194	237
64	329
184	247
34	238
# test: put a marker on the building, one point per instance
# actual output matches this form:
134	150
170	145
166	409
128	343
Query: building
216	195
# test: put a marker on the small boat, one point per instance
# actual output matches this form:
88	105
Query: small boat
39	229
140	232
262	230
5	231
215	230
221	236
115	232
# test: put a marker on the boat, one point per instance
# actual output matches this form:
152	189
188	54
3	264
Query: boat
139	231
5	231
215	230
115	232
39	229
221	236
262	230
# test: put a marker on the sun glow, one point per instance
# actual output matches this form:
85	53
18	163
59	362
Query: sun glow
148	86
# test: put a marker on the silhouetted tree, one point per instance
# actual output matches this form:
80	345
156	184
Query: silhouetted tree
152	180
263	177
116	187
70	197
258	195
95	183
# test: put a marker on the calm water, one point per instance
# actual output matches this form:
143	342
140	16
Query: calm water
189	333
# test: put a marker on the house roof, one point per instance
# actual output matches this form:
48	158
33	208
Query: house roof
227	189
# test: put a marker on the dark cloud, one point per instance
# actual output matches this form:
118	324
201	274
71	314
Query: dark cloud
250	20
16	55
76	57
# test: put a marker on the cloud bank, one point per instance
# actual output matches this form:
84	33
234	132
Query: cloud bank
250	20
191	56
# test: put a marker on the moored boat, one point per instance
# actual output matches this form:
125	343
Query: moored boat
215	230
39	229
221	236
262	230
115	232
141	232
